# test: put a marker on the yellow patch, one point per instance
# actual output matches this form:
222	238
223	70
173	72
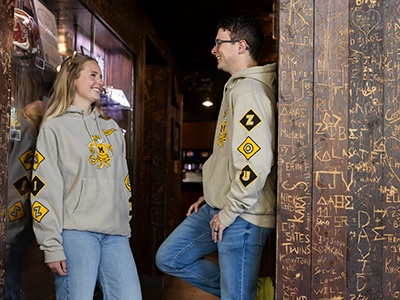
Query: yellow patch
38	211
108	132
248	148
248	176
16	211
22	185
222	131
128	182
27	159
37	185
37	160
250	120
98	148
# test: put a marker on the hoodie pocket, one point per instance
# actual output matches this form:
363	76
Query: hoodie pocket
103	207
216	179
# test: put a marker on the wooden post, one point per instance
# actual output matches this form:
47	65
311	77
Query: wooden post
295	149
330	183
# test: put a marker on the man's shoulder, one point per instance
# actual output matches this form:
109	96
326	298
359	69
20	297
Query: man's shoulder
247	85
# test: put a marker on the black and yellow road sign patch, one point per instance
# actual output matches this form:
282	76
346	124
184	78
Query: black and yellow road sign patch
38	159
23	185
39	211
27	159
247	176
249	148
130	207
109	131
37	185
128	182
250	120
16	211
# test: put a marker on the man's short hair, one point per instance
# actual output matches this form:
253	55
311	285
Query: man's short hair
245	28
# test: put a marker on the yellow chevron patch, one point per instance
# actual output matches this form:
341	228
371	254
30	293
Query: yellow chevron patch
108	132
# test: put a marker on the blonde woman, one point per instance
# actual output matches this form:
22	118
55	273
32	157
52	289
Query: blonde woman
81	191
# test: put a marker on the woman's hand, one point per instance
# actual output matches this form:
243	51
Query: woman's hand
59	267
195	206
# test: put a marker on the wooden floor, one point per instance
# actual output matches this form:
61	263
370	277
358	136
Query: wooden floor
38	283
176	290
38	280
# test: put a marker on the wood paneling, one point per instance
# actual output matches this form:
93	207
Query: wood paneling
343	78
329	231
294	210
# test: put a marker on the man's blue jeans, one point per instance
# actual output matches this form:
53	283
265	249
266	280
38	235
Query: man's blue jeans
94	257
239	255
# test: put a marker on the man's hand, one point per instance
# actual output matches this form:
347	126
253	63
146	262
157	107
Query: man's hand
217	228
195	206
59	267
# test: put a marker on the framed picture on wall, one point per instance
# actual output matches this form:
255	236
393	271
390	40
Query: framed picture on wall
175	140
48	31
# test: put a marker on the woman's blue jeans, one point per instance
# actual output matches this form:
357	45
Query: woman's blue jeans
94	257
239	255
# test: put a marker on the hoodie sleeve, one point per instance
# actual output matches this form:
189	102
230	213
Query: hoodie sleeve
47	196
252	153
126	175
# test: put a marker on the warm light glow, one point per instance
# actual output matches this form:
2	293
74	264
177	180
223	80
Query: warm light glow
58	68
62	48
208	103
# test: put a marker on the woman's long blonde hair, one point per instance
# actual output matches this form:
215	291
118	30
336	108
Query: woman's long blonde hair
64	88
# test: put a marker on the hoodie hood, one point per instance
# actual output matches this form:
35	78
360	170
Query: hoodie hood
264	74
76	111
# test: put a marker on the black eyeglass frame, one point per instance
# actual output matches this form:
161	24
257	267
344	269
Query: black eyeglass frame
218	41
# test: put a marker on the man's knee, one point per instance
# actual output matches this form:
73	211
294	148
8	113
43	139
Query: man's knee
163	260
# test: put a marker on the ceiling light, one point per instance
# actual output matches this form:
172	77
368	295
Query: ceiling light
208	103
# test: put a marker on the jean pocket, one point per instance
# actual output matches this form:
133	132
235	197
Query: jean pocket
264	235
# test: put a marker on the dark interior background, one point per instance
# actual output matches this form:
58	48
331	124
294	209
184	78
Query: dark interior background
189	28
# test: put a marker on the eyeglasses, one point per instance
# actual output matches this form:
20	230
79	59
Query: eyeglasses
218	42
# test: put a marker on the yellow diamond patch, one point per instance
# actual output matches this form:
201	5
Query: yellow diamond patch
250	120
128	182
27	159
16	211
22	185
249	148
247	176
39	211
38	159
37	185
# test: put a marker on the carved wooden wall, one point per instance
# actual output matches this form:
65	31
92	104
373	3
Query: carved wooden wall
339	150
159	193
6	42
